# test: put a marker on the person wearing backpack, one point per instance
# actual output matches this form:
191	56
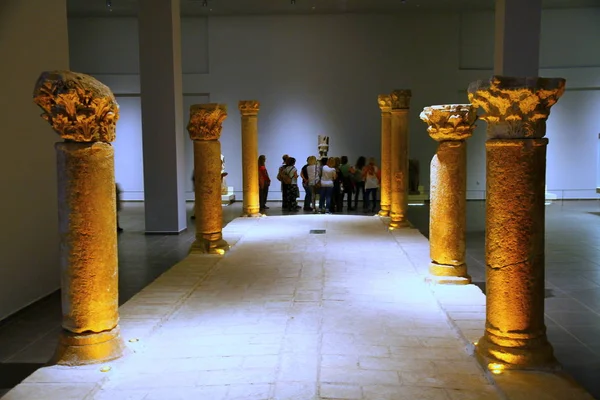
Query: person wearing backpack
347	172
280	177
289	179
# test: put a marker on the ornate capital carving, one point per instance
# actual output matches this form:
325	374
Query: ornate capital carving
249	107
401	99
385	103
516	108
206	121
78	107
449	121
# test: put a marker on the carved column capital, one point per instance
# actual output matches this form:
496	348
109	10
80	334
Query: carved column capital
206	121
516	108
385	103
249	107
449	121
400	99
79	107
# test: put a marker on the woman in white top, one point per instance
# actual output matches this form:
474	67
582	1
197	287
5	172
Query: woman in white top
371	177
328	175
313	173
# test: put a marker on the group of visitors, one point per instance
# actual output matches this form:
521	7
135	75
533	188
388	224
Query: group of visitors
332	179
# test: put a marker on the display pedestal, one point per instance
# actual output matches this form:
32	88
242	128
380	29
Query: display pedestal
227	199
418	199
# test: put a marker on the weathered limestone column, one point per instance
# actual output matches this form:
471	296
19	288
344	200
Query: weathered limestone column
516	110
450	125
249	111
84	112
205	130
399	157
385	104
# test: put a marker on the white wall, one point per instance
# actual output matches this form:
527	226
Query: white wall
321	74
29	266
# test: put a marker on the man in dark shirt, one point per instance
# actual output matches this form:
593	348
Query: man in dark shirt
308	195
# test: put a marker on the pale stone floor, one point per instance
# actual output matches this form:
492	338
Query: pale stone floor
353	318
285	315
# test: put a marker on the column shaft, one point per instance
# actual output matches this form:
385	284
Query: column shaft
399	167
249	110
209	211
515	332
386	152
447	215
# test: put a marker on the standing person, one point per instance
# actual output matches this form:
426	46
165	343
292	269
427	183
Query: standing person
118	195
347	175
371	177
263	182
336	196
359	182
313	172
328	175
284	196
291	189
305	184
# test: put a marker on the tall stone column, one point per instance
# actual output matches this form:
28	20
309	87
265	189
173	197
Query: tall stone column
385	104
516	110
249	111
84	112
450	125
205	130
399	157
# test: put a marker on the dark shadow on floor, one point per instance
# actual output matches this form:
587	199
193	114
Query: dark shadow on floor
11	374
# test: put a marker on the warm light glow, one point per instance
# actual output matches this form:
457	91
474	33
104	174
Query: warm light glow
496	368
391	228
220	251
134	340
475	343
105	369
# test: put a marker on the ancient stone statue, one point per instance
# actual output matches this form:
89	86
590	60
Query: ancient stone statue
323	146
223	175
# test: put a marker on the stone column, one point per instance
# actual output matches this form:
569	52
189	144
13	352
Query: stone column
84	112
249	111
516	110
205	130
450	125
399	157
385	104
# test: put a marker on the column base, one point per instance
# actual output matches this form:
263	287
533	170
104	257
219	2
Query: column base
448	274
252	213
204	246
398	224
527	354
75	349
384	211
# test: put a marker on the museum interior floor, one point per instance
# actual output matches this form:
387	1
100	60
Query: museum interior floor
28	338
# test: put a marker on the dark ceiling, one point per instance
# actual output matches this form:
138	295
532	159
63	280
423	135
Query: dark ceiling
99	8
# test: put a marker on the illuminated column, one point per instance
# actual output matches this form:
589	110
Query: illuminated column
400	100
205	130
249	111
84	112
516	110
385	103
450	125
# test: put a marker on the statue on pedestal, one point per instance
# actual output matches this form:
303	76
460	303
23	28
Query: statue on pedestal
323	146
224	189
